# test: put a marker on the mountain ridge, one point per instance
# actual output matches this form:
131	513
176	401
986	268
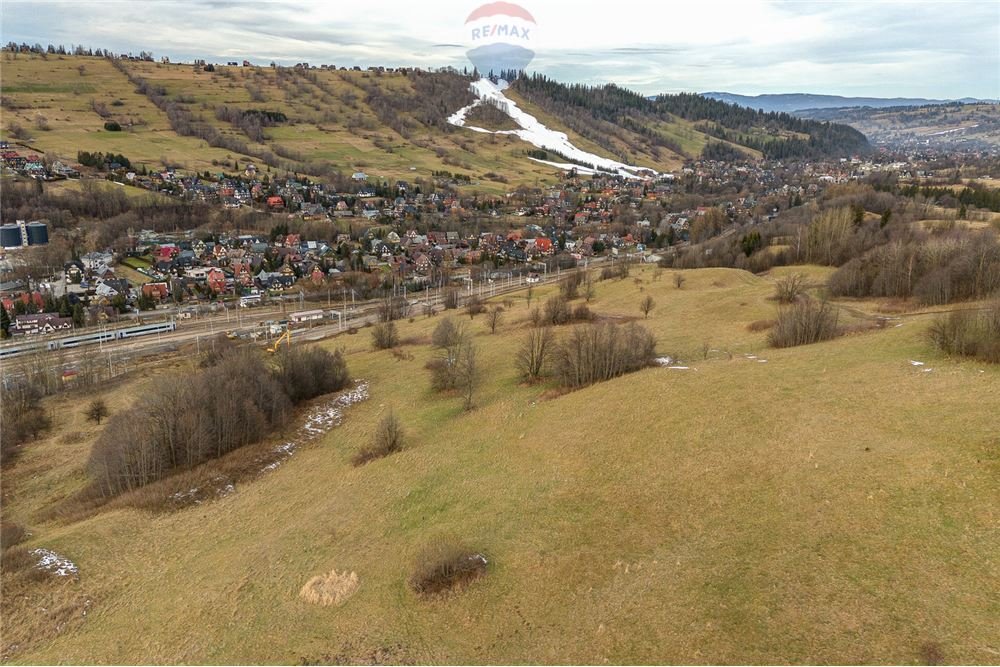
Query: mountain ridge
793	102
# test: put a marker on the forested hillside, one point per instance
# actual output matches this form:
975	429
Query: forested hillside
604	112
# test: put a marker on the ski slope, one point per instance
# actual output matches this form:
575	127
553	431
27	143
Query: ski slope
536	133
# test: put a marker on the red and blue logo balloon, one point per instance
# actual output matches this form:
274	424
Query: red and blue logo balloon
500	36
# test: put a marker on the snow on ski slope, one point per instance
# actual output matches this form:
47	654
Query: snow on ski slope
535	133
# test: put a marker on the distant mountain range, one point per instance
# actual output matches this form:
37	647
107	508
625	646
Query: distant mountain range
792	102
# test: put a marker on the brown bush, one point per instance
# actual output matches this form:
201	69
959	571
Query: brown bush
597	352
804	323
385	336
474	306
387	439
761	325
10	534
308	372
16	559
969	334
790	288
444	566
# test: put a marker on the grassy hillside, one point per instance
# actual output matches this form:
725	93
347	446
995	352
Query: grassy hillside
832	504
389	124
336	120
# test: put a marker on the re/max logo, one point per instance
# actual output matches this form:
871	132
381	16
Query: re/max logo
500	30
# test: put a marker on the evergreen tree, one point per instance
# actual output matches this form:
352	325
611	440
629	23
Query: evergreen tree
79	316
4	322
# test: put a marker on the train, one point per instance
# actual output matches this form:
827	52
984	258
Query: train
69	342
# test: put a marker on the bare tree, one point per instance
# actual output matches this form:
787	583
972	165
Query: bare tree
533	355
493	317
467	371
588	288
448	338
97	410
679	280
647	306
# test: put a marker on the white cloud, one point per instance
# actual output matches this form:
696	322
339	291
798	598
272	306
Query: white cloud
750	46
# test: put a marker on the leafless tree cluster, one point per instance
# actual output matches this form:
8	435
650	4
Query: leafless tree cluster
23	416
456	367
620	271
557	310
534	354
602	351
308	372
392	308
969	333
804	322
187	419
947	267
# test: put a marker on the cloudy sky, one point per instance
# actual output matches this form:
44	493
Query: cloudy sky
884	49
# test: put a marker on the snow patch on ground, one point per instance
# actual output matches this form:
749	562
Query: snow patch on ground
319	420
220	487
535	133
916	363
55	564
671	363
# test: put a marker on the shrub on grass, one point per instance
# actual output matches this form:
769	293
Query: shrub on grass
308	372
10	534
388	439
969	334
474	306
790	288
17	559
804	323
385	336
444	566
760	325
597	352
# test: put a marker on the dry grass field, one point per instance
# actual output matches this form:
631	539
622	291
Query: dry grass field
831	503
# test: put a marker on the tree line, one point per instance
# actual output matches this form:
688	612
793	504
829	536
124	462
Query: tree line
186	419
621	107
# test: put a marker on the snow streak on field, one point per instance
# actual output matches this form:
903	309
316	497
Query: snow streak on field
320	419
52	562
535	133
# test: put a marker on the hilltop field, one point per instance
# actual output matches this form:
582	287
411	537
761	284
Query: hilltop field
829	503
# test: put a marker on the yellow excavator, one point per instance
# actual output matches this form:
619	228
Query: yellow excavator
286	337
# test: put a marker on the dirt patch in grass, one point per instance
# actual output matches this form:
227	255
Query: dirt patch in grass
334	588
761	325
